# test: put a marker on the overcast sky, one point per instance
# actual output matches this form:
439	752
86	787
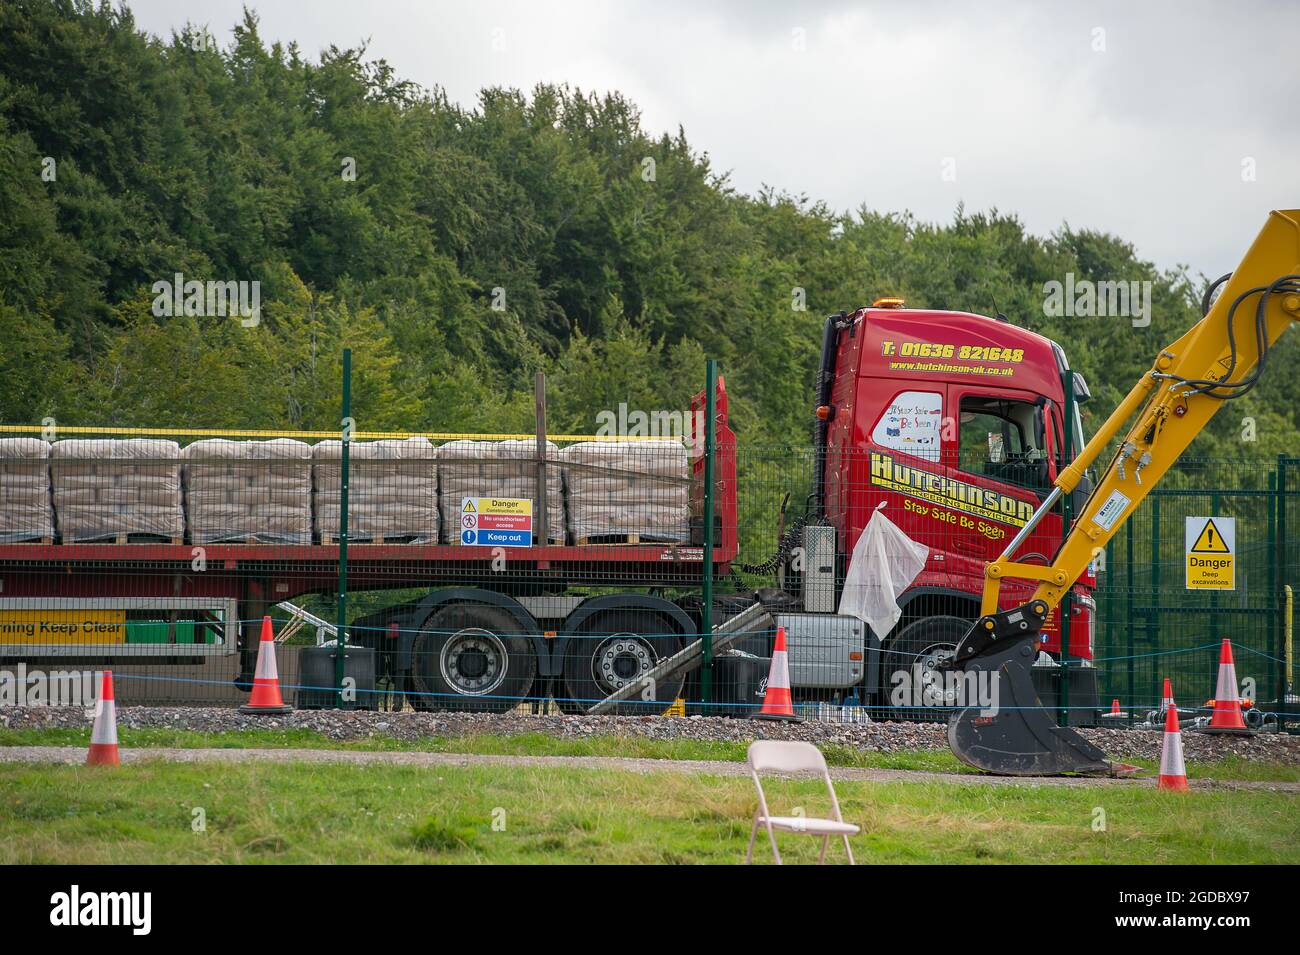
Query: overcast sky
1171	124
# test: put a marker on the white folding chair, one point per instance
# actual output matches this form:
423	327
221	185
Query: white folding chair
780	756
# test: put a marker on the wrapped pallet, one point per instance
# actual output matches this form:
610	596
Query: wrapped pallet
113	489
392	491
629	491
253	491
25	513
505	469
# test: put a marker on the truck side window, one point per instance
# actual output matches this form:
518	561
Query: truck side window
1002	439
912	423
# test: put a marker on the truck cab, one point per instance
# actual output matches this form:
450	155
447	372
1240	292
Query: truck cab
954	425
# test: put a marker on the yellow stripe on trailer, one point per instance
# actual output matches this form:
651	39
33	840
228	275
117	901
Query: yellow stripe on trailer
62	626
301	435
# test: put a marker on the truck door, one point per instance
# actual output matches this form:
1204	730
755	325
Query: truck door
904	439
1002	467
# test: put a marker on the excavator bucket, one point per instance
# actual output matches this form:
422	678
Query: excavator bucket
1008	731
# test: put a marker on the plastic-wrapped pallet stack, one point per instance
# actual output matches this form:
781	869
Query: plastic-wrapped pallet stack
25	490
256	491
393	491
498	469
110	489
636	490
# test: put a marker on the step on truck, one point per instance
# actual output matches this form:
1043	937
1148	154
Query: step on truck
952	425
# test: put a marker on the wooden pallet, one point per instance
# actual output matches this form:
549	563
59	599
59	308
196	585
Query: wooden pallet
329	540
609	540
130	539
616	540
252	540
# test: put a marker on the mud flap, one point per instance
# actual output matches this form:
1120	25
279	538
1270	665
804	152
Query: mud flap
1013	734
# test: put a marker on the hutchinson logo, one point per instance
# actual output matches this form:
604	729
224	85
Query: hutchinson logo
937	489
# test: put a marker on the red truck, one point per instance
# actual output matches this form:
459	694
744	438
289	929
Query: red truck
956	422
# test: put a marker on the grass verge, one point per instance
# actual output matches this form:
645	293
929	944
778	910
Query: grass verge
312	813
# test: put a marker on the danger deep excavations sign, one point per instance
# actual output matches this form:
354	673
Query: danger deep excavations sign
1211	553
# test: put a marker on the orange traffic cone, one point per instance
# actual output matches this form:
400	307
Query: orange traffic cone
777	704
266	680
1227	717
1115	714
1173	774
103	736
1167	703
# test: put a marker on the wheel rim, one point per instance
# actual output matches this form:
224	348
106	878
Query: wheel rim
473	662
620	659
930	660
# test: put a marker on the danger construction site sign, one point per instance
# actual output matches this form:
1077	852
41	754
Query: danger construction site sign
1211	553
496	521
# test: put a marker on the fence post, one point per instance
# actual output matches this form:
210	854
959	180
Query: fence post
1215	503
1067	517
1153	612
1132	619
541	520
1273	585
1281	592
706	613
341	619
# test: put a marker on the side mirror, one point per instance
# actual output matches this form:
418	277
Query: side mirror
1081	392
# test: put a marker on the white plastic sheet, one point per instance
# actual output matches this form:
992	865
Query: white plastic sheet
885	561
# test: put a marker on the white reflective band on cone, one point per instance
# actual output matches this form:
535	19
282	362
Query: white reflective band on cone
266	662
1171	757
780	676
1227	686
104	729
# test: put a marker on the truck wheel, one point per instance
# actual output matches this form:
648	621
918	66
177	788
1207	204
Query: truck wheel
471	657
915	652
613	649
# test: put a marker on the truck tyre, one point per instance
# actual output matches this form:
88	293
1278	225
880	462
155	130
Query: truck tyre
471	657
925	643
613	648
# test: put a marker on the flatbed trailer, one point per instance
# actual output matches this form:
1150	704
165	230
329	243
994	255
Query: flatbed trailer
523	597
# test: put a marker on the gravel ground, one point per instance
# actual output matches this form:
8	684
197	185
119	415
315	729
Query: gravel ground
879	737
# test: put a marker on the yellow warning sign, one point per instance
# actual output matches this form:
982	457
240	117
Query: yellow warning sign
469	505
1211	545
1210	541
504	505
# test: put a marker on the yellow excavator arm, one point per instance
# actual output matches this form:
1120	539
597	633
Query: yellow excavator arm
1218	359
